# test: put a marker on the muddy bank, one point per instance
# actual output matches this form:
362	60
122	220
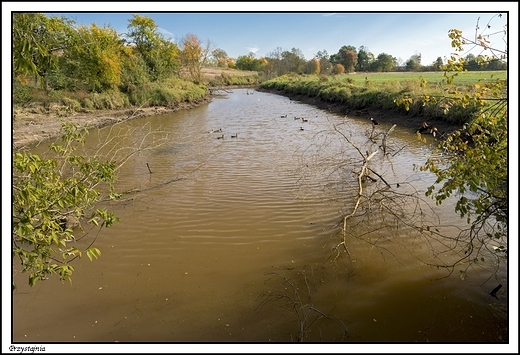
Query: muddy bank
33	127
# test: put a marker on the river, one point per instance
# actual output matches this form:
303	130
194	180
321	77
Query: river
239	239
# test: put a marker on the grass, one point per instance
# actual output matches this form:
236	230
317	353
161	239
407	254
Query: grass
425	94
463	78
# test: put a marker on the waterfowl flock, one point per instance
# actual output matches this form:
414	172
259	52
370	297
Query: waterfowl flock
426	128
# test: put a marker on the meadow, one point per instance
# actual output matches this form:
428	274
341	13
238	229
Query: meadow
463	78
428	95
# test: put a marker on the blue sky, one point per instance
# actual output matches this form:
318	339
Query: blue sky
315	27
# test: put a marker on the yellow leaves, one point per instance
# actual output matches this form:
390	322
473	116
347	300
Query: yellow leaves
405	102
422	140
141	22
93	253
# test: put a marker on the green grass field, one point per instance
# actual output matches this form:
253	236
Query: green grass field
462	78
425	94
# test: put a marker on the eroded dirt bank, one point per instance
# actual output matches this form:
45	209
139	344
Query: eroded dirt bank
31	127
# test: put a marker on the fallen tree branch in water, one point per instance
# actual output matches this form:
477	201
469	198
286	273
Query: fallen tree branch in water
362	174
383	143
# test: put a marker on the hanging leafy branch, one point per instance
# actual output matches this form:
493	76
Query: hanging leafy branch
50	198
57	199
472	162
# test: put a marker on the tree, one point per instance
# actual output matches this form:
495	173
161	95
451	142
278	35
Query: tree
37	40
383	63
220	57
244	62
160	55
474	160
194	56
94	58
471	62
347	57
364	59
438	63
323	58
416	58
338	69
412	65
313	66
274	67
247	62
293	61
134	72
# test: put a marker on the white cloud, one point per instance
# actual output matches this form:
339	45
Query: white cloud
165	32
253	49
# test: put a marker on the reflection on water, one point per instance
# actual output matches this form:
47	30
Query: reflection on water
238	239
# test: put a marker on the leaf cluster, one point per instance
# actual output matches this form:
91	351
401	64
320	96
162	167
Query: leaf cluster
52	199
472	163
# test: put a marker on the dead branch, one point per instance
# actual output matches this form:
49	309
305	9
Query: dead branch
384	138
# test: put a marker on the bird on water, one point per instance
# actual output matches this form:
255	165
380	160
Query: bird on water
374	122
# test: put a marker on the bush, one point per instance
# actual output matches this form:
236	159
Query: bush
22	93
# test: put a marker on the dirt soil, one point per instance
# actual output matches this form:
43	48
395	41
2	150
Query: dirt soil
32	126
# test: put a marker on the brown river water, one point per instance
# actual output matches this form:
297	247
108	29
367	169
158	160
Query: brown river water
239	240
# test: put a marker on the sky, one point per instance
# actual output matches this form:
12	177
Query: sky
262	27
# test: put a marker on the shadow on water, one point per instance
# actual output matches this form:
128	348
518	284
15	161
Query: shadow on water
239	240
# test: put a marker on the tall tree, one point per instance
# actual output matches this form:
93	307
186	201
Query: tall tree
383	63
94	58
293	61
194	56
324	59
414	63
274	67
438	63
313	66
364	59
347	57
37	41
160	55
220	57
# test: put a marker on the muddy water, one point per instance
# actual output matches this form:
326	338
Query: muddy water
239	240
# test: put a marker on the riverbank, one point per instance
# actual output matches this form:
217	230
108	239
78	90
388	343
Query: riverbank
33	127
